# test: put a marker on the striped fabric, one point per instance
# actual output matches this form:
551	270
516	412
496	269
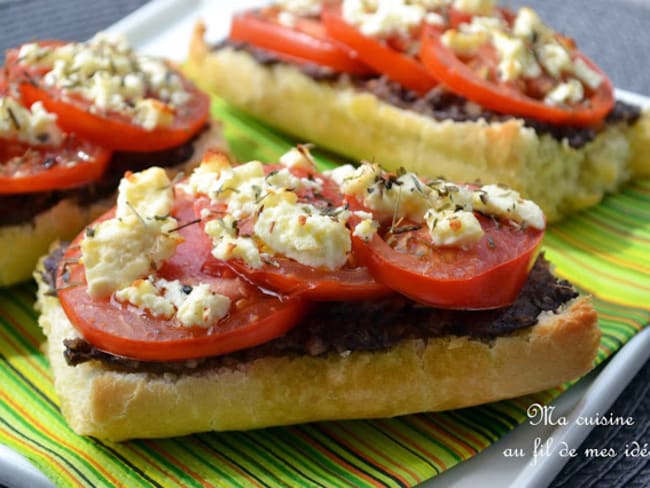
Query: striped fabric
604	251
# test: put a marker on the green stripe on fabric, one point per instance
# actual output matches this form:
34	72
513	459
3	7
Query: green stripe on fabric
364	467
294	466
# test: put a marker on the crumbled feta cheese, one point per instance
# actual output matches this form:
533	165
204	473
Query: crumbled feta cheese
507	203
341	173
173	291
36	126
298	157
528	25
302	8
383	18
143	294
555	58
366	229
287	19
247	192
515	59
453	228
303	234
464	43
446	208
588	76
433	18
161	298
475	7
523	51
570	91
203	307
149	193
227	245
203	179
151	113
140	237
387	195
112	77
122	250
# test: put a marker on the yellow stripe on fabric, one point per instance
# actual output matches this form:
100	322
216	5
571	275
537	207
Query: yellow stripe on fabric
596	277
359	475
361	440
60	474
55	440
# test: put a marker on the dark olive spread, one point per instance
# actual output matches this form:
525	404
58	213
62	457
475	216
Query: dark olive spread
440	104
21	208
339	327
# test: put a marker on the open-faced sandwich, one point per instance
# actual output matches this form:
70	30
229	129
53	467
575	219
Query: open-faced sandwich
73	118
458	88
256	295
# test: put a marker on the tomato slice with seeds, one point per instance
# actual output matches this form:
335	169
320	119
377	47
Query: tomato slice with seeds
123	330
109	128
287	276
305	42
26	168
403	68
488	274
476	79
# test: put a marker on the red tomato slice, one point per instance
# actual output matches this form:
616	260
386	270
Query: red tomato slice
462	77
288	277
255	318
488	274
112	129
399	67
27	169
307	42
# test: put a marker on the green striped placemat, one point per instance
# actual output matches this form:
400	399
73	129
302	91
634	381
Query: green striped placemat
604	251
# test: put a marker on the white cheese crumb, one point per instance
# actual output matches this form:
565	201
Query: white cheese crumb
149	193
161	298
301	8
528	25
405	195
507	203
202	307
298	157
587	75
366	229
140	237
123	250
555	59
302	234
287	19
464	43
568	92
227	245
515	59
143	294
453	228
35	127
383	18
475	7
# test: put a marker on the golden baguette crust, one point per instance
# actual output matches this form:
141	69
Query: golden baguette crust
336	116
443	373
28	241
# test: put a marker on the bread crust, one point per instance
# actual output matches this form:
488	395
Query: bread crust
24	243
338	117
443	373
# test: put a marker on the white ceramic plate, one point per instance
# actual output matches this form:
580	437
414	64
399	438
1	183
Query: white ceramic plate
163	28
